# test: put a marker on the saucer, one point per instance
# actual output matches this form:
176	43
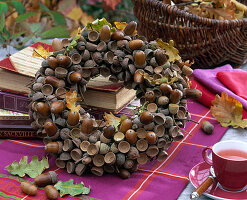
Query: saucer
200	172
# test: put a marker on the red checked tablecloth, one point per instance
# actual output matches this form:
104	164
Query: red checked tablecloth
156	180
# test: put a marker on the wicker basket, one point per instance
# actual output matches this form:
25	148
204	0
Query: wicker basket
208	42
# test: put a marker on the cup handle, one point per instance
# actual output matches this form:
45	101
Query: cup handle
205	155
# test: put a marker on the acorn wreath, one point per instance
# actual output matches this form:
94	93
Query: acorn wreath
112	145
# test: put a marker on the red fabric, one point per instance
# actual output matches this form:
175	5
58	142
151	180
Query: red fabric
207	96
6	64
235	81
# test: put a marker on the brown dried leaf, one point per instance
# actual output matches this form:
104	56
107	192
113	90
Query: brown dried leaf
40	51
228	111
71	99
112	120
171	51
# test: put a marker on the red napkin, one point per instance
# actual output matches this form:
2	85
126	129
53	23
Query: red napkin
208	96
235	81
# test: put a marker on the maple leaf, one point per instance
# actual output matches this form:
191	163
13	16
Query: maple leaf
40	51
32	169
70	188
171	51
112	120
71	99
228	111
122	25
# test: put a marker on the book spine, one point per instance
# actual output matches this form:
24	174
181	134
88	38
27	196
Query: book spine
17	134
13	102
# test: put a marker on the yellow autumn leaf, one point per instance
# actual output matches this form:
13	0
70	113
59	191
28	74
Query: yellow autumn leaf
122	25
71	99
171	51
228	111
40	51
112	120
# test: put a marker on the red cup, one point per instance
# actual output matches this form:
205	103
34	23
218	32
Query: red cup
229	160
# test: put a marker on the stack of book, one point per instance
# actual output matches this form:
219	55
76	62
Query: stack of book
18	71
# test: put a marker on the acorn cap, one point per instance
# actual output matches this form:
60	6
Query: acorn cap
61	72
109	169
85	55
158	70
70	167
76	58
80	169
98	171
75	132
149	69
142	145
60	163
110	158
93	36
53	176
76	154
120	159
149	127
118	137
92	149
104	139
161	143
173	108
84	145
152	151
60	93
159	130
160	118
162	156
65	156
108	57
114	148
104	148
128	164
152	107
91	47
105	71
179	137
173	131
68	145
37	96
123	146
141	133
101	47
142	159
98	160
133	153
112	45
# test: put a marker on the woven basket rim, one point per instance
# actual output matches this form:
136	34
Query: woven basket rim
203	20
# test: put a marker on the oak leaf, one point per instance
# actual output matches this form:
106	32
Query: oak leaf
228	111
40	51
171	51
112	120
98	24
70	188
71	99
32	169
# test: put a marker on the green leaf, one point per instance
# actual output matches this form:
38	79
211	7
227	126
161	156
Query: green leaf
2	22
98	24
43	7
24	16
3	7
35	28
17	34
18	6
58	32
70	188
58	18
32	169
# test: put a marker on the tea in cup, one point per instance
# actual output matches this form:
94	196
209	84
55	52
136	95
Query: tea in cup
229	160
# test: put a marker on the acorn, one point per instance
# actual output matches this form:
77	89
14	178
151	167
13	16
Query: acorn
131	136
187	70
163	100
140	58
63	61
165	89
175	96
56	45
57	107
130	28
51	192
45	179
117	35
87	125
138	77
50	128
192	93
124	173
150	96
75	77
55	82
43	109
151	137
125	125
146	117
53	147
73	118
105	33
160	57
207	127
135	44
28	188
53	62
109	131
133	153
